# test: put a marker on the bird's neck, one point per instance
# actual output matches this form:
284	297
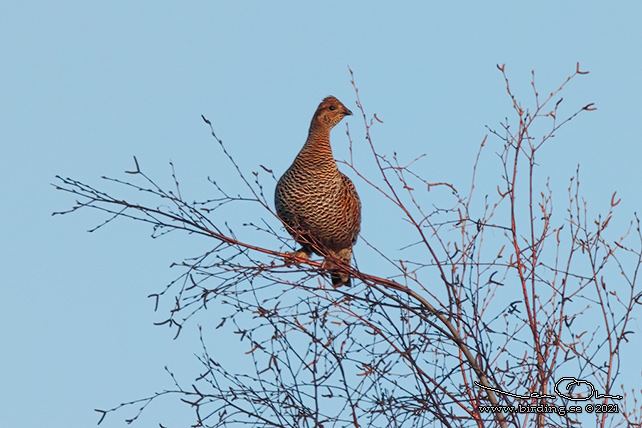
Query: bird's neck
317	150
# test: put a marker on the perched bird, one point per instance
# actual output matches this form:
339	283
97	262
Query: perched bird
318	204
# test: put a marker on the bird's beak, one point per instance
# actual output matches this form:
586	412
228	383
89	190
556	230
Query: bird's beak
347	112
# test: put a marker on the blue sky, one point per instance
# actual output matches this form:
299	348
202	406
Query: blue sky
84	86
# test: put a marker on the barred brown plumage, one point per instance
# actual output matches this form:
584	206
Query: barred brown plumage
318	204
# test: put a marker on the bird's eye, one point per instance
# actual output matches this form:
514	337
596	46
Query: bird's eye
332	108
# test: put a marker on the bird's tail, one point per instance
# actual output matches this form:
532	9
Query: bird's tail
339	278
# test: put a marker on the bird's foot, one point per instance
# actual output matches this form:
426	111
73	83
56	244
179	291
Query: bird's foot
292	256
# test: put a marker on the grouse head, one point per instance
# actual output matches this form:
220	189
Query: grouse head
330	112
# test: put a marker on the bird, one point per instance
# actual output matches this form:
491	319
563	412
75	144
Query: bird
317	203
